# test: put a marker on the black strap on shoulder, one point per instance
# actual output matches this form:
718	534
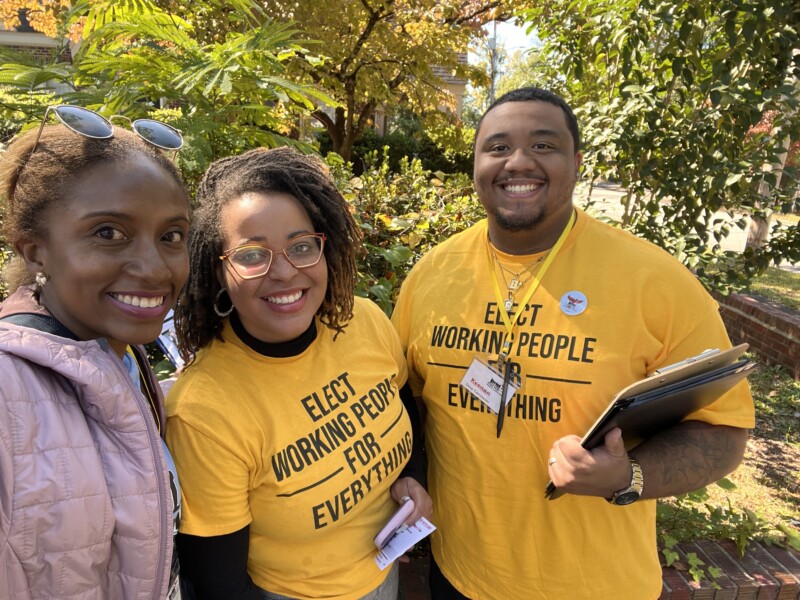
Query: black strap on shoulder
40	322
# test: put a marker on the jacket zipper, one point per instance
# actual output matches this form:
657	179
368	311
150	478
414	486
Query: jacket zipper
160	462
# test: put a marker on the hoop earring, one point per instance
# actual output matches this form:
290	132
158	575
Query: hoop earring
41	279
217	309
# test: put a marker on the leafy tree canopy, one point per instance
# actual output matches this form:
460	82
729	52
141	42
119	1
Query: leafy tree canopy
365	54
668	93
227	93
386	54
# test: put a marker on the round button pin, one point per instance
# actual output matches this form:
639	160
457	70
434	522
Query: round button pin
573	303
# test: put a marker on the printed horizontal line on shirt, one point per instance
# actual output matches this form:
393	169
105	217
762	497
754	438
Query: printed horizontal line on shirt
433	364
542	377
313	485
575	381
395	422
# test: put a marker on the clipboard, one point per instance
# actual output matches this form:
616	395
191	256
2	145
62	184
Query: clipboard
664	398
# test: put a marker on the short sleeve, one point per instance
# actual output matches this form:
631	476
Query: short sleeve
213	473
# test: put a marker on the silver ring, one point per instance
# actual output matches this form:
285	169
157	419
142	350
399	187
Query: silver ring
552	461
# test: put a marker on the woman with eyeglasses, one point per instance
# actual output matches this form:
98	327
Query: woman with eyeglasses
98	220
287	427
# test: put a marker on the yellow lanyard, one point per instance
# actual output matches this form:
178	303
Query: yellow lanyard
508	321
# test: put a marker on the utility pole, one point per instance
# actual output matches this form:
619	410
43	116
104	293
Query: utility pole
493	62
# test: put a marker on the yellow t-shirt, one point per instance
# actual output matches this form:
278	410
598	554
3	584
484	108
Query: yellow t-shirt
610	309
303	449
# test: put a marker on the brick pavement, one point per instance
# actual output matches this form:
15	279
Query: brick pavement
763	573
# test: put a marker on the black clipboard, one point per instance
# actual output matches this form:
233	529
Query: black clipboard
667	396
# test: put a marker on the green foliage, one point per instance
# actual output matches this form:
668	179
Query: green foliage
669	93
691	517
694	564
792	537
17	103
385	55
521	70
402	215
778	285
162	367
447	149
450	146
227	95
668	549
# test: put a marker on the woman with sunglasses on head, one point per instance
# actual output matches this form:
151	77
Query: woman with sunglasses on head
98	219
287	427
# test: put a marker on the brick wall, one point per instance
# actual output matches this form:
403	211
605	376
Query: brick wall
772	331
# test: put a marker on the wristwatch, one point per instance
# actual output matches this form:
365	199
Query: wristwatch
630	494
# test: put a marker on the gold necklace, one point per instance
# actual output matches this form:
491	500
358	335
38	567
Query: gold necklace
516	282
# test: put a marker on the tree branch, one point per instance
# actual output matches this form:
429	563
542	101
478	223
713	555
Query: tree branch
323	118
461	19
374	18
365	113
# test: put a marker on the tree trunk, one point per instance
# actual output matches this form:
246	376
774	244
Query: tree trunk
759	228
758	232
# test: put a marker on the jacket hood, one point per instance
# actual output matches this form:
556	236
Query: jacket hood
22	301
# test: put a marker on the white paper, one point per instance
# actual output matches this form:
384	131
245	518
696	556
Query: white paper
486	385
403	541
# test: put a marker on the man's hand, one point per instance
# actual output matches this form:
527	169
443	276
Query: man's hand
681	459
598	472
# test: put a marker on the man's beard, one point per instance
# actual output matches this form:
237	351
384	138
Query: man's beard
515	223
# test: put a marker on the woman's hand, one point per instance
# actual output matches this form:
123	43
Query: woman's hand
408	487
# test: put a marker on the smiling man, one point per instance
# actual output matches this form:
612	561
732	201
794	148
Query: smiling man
561	311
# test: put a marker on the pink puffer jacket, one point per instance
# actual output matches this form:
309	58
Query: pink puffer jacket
84	488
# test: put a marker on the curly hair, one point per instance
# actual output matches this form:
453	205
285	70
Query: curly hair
36	177
278	170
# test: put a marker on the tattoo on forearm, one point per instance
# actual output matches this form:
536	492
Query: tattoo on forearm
691	456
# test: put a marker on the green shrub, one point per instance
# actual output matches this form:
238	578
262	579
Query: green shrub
398	146
402	214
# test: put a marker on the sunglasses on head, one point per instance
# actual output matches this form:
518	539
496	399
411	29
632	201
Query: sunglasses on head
90	124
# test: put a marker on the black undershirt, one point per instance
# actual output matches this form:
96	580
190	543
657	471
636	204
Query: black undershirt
288	349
